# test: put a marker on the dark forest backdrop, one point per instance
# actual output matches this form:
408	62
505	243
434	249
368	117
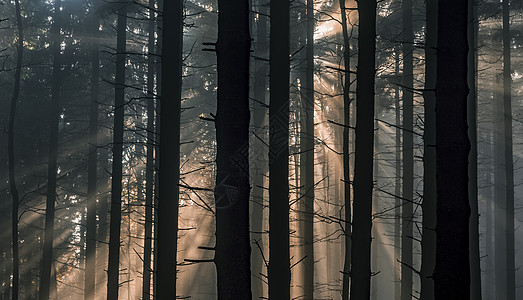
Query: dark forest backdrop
235	149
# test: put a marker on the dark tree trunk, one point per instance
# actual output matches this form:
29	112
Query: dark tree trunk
452	270
260	169
47	258
11	154
475	269
397	187
149	164
169	172
279	263
509	164
307	157
90	245
116	184
363	180
407	212
233	251
499	196
346	152
428	241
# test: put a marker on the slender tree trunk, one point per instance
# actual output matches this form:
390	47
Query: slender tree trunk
90	245
259	121
363	181
375	234
407	231
233	251
397	188
475	269
489	224
47	259
158	69
169	172
149	164
452	269
11	154
116	185
346	152
279	263
307	157
499	197
428	241
509	165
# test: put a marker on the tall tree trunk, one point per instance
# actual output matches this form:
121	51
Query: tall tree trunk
90	245
279	263
452	269
233	251
47	259
259	121
363	181
157	131
475	269
346	152
116	184
499	196
397	187
11	154
509	165
407	227
307	157
149	164
428	241
169	172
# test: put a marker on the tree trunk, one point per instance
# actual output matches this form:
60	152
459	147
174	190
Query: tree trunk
11	154
397	187
233	251
279	263
363	181
47	259
307	157
407	227
452	269
259	170
475	268
149	164
346	153
169	172
90	245
116	184
428	241
499	197
509	164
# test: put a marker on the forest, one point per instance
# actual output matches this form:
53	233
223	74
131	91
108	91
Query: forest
261	149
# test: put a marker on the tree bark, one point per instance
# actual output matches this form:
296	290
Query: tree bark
452	269
233	251
90	244
116	184
346	152
149	164
47	258
307	157
279	263
428	241
397	187
11	154
169	172
363	180
509	164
